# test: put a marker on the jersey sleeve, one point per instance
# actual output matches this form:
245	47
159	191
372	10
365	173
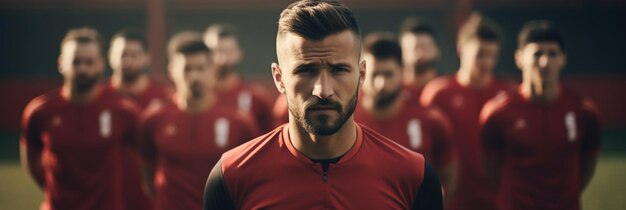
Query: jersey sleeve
592	132
429	196
132	114
147	129
493	141
32	123
248	128
216	195
442	136
431	93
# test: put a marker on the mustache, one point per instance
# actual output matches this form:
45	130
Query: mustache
324	104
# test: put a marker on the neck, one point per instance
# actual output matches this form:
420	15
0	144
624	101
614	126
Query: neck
540	92
130	87
79	97
472	79
323	147
369	105
418	79
228	82
194	105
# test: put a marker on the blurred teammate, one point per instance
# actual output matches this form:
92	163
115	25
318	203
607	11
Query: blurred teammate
184	139
462	97
541	141
233	92
420	52
129	59
387	108
322	159
74	139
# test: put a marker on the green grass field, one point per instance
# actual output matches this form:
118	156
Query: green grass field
607	190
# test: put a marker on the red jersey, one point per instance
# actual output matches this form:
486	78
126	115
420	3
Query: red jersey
269	173
155	93
416	94
463	105
423	130
183	147
252	100
82	148
280	112
540	147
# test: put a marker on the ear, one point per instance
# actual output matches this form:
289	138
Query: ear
170	70
518	59
59	68
362	66
278	79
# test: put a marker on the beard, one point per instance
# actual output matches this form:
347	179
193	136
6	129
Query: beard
386	98
197	90
421	67
130	77
322	125
84	83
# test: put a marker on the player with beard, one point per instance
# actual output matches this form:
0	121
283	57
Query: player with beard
248	97
420	52
182	140
388	109
129	59
74	138
321	159
541	141
461	97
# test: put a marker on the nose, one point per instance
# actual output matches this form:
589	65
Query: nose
323	85
379	83
543	62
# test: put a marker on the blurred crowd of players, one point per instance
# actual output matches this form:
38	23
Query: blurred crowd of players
133	141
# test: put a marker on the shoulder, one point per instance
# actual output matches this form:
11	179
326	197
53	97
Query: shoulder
435	87
41	103
117	101
248	152
385	147
584	103
497	104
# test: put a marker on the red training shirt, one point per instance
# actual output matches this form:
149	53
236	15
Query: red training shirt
250	99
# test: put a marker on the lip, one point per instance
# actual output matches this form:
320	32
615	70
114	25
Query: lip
321	109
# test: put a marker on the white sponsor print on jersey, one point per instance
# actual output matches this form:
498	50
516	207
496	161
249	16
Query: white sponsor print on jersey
414	129
570	125
244	101
105	123
222	128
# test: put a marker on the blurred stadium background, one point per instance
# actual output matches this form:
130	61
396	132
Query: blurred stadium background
31	30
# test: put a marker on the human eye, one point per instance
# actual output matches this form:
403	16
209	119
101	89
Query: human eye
341	69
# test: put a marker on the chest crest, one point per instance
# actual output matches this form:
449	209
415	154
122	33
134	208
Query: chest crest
170	130
105	123
570	126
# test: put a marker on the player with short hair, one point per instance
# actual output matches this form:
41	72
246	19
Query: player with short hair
249	97
182	140
461	97
541	141
129	59
420	52
74	139
387	108
321	158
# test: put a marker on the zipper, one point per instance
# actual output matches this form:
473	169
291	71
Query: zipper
326	188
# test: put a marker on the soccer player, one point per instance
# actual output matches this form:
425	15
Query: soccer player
388	109
183	140
541	141
322	159
249	97
129	59
74	138
420	52
461	97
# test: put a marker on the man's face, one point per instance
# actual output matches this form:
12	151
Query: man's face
194	73
419	50
320	79
226	51
383	80
541	62
480	56
128	58
82	64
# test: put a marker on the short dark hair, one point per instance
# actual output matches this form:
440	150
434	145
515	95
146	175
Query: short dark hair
83	35
479	27
186	42
222	30
382	45
133	35
539	31
415	25
317	19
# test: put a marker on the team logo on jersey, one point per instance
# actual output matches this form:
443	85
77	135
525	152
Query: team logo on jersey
457	101
244	101
170	130
570	126
520	124
154	102
105	123
222	128
414	129
56	121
